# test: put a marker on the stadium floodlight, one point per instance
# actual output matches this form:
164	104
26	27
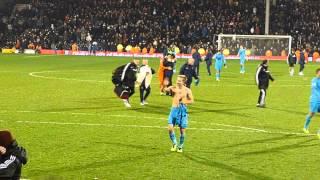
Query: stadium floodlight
256	45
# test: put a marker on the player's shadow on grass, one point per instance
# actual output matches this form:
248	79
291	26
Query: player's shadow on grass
229	111
279	149
135	146
283	137
216	164
78	166
209	101
100	100
152	109
68	109
289	111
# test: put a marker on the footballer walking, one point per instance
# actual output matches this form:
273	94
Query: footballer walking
314	101
179	115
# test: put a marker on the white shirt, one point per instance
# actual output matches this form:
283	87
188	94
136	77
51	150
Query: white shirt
145	73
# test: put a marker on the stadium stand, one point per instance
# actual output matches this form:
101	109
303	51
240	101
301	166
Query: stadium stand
56	24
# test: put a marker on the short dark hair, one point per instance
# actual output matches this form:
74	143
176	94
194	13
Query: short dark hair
265	61
317	70
6	138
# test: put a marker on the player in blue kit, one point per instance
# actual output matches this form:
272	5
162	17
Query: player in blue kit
182	96
314	101
219	62
242	55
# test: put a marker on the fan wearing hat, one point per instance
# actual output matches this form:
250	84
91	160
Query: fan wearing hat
12	156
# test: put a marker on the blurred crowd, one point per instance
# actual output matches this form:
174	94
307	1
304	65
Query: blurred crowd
298	18
57	24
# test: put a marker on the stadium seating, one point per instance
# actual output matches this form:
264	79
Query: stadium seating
154	23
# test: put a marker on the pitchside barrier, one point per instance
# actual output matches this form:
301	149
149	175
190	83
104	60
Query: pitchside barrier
147	55
139	55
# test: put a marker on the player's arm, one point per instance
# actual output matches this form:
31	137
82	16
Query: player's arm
181	69
224	60
153	71
189	99
194	74
257	74
9	167
200	58
206	57
270	76
169	89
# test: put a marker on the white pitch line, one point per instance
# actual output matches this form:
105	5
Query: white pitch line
214	84
241	128
233	126
87	114
157	127
9	72
34	74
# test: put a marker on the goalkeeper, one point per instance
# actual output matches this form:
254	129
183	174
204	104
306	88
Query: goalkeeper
189	70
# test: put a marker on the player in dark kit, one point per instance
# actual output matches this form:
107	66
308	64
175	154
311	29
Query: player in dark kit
301	62
124	78
189	71
208	60
197	59
168	72
262	79
292	60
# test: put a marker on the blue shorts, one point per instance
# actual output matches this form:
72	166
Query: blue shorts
315	107
218	66
179	116
242	61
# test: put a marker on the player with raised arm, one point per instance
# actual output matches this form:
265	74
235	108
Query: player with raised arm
314	101
182	96
242	55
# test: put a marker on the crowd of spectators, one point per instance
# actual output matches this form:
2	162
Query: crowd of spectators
56	24
300	19
156	23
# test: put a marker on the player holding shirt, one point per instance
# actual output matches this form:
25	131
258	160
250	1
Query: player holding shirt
182	96
219	57
242	55
314	101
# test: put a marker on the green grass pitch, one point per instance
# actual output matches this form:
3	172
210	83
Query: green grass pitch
64	111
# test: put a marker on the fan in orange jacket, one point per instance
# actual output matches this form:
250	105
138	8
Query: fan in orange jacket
161	75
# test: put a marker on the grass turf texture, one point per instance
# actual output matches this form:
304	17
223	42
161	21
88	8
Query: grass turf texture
74	127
